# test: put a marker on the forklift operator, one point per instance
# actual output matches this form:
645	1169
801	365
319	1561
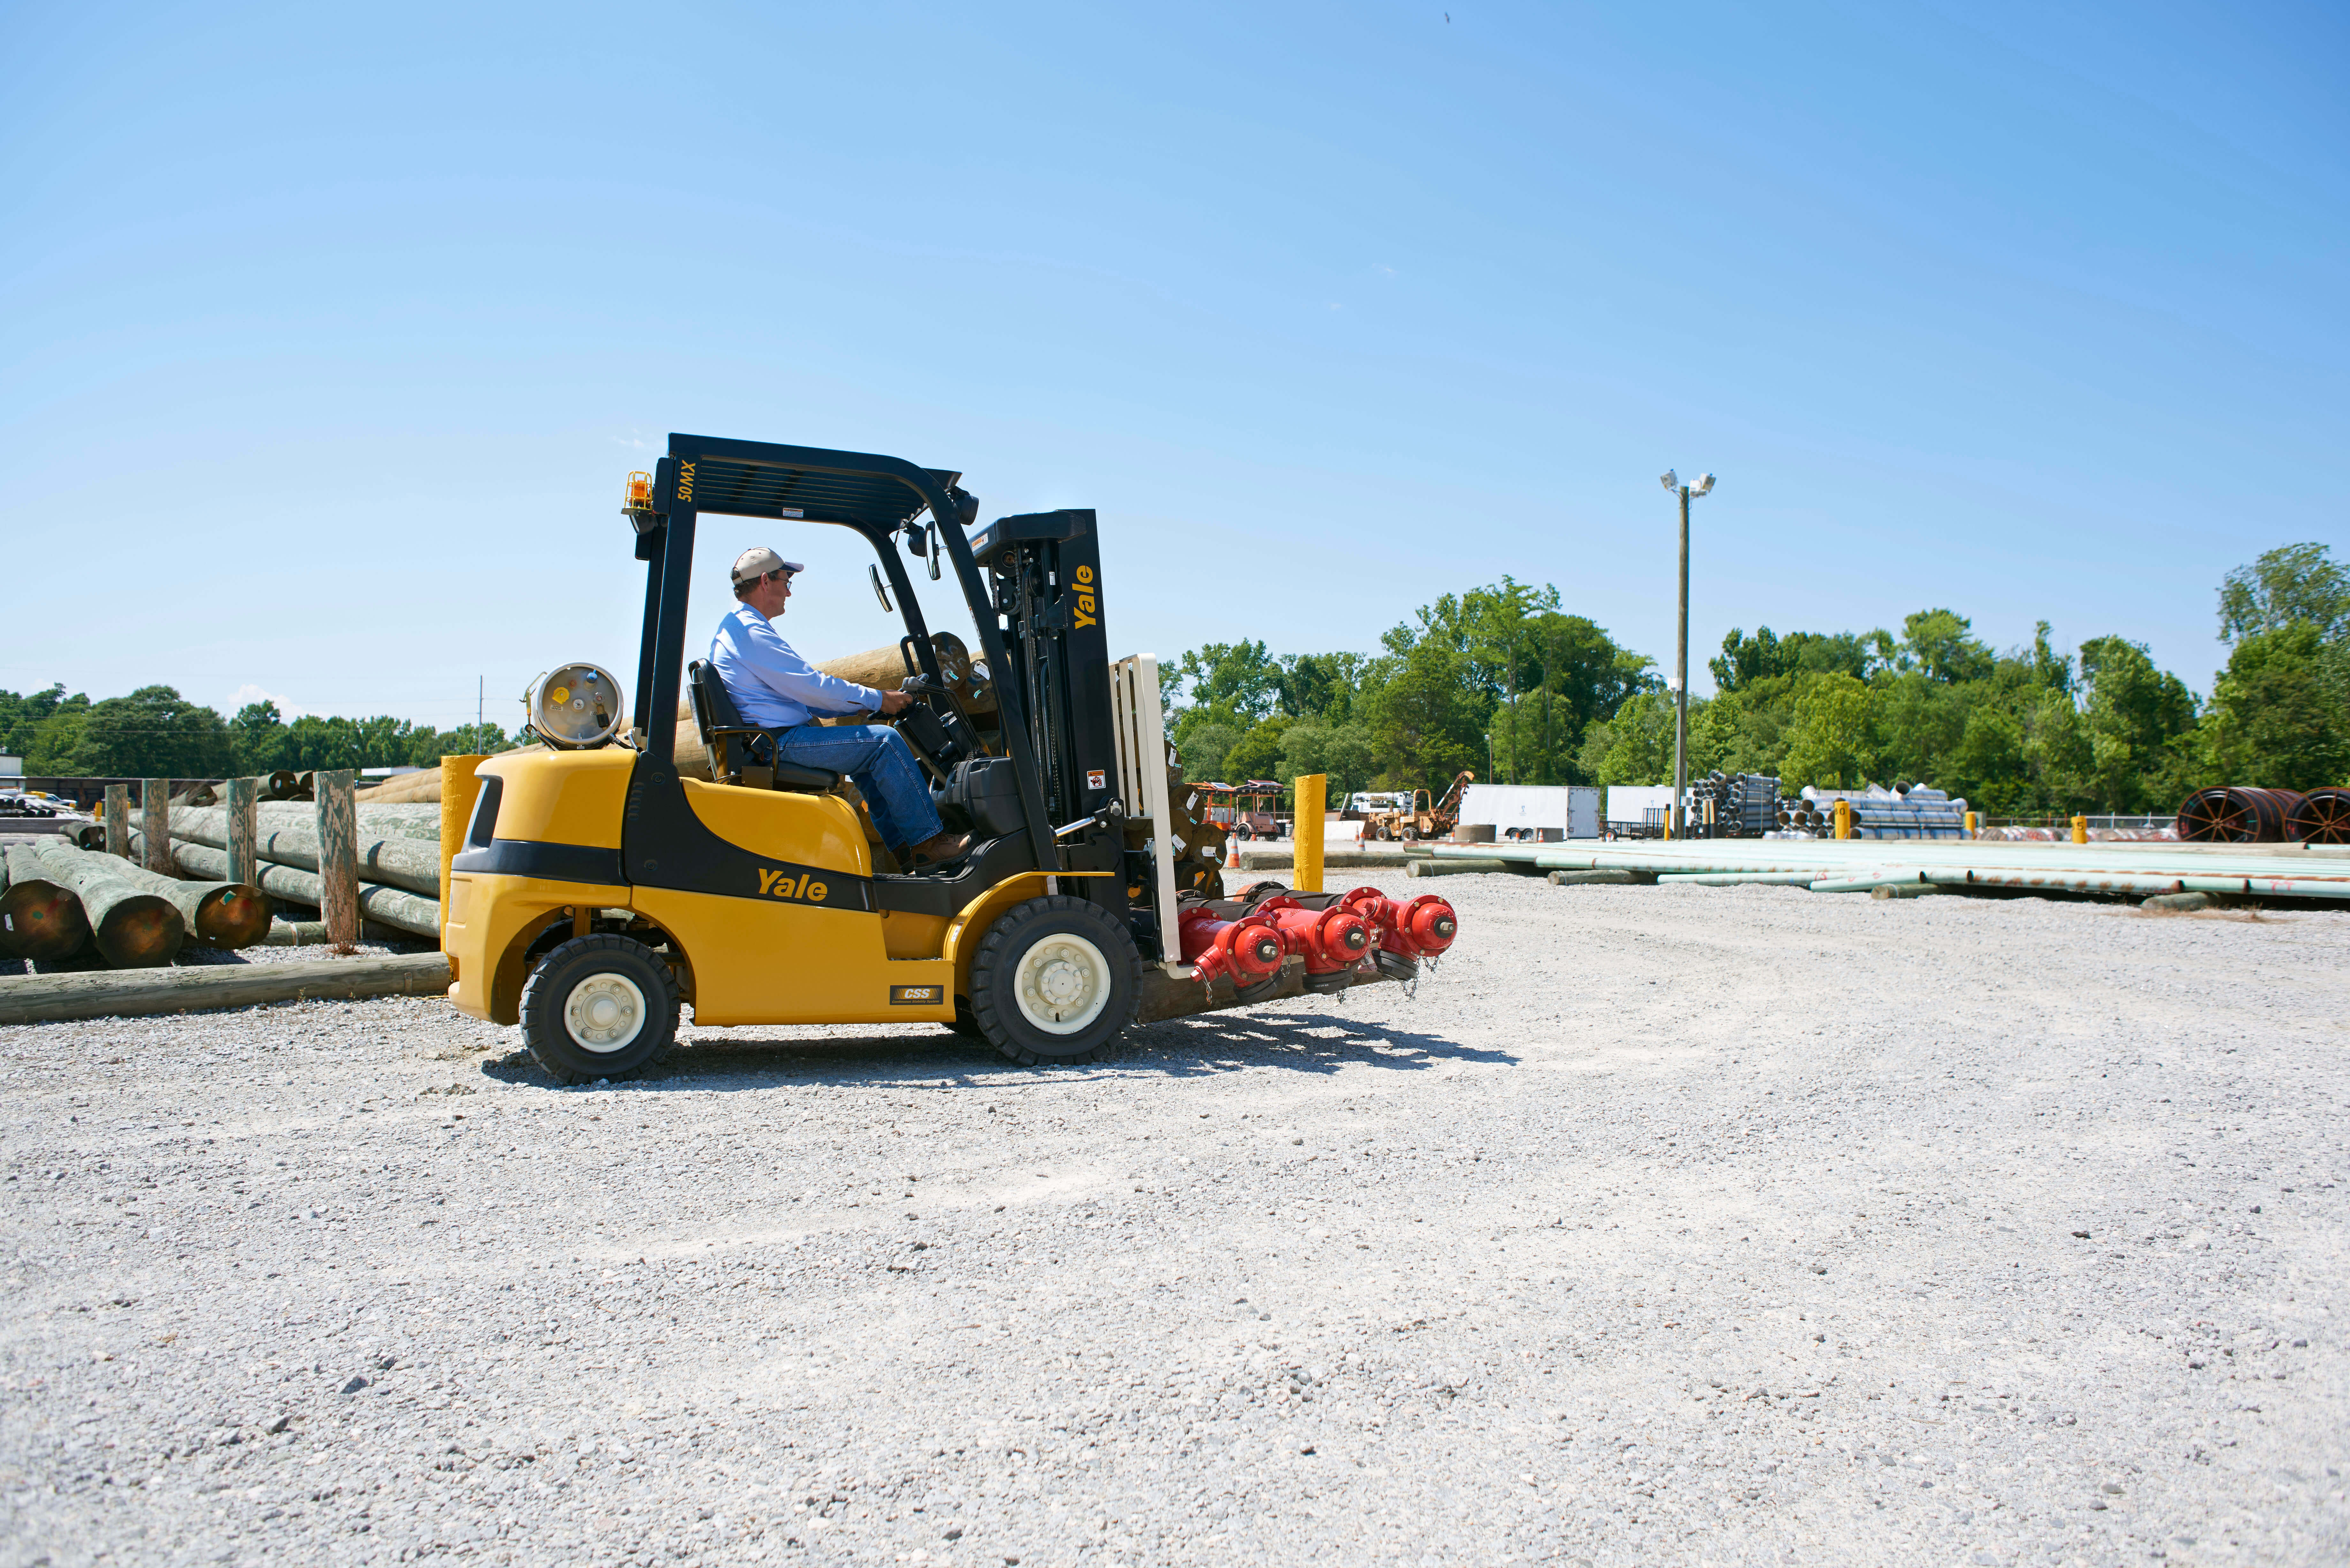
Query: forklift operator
777	690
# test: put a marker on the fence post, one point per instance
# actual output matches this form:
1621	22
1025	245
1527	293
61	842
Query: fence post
1313	799
461	785
118	820
244	854
155	823
339	868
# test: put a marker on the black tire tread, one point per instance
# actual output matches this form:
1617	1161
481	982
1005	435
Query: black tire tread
535	999
1003	939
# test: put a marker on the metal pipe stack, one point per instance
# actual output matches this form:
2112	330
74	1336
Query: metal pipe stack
1744	805
1879	812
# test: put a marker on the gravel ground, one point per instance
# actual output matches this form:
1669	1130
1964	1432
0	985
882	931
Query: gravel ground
1664	1225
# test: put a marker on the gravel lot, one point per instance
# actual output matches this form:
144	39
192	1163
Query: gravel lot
1665	1225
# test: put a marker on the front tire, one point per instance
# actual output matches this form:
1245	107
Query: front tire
599	1007
1054	980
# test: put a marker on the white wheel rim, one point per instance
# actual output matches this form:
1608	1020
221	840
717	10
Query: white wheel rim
604	1013
1063	983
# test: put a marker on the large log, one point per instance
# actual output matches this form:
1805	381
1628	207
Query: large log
390	906
397	861
218	914
130	927
117	819
339	868
48	998
39	918
155	818
404	789
240	823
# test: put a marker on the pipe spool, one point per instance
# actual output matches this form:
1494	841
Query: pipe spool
130	926
1331	940
228	915
40	919
2321	817
2237	814
1248	950
385	906
395	861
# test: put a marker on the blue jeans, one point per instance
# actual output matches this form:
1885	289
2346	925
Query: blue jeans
883	766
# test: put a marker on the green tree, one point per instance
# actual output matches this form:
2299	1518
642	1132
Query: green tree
1203	747
2298	582
1341	752
1636	746
2137	721
22	718
1258	753
1937	642
1829	745
1428	722
2280	715
154	732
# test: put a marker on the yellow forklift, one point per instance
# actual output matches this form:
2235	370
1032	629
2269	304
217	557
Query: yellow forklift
597	888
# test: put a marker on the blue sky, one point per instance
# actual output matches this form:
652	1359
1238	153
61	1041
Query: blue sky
331	335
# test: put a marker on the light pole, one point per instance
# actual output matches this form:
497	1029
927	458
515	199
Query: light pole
1680	816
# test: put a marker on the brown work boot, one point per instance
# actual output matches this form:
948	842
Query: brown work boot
939	849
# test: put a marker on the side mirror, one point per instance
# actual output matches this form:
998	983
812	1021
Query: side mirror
881	592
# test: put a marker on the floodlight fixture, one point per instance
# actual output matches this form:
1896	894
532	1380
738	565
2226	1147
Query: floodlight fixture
1704	482
1671	480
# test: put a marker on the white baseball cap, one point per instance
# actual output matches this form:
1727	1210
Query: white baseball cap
759	562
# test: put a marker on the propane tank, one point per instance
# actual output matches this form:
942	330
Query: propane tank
1249	949
1332	940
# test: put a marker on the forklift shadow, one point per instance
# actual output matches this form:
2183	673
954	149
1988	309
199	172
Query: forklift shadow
1199	1046
1210	1043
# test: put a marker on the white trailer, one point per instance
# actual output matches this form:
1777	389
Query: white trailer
1555	811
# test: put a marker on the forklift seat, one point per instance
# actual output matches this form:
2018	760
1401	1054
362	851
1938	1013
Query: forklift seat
739	754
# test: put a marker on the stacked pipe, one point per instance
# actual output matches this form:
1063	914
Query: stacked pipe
1801	818
1733	806
1879	812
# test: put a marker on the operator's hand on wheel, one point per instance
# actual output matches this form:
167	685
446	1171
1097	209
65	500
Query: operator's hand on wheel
895	702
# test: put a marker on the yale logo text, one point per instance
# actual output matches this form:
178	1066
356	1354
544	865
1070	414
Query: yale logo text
1088	604
784	885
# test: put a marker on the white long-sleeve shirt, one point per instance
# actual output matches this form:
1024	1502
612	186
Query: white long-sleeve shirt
772	687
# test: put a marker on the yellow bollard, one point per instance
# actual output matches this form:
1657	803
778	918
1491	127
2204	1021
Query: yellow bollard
459	788
1971	827
1313	790
1844	819
2080	830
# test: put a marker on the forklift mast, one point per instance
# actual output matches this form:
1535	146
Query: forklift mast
1044	569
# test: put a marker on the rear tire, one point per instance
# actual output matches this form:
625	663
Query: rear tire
1055	981
599	1007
